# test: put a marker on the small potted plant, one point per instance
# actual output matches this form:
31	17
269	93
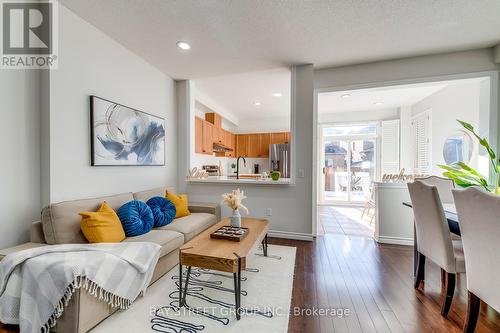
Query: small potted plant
275	175
234	201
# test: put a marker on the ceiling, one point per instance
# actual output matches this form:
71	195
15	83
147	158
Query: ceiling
391	97
230	37
236	94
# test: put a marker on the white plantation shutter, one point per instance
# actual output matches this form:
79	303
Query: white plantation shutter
421	140
390	147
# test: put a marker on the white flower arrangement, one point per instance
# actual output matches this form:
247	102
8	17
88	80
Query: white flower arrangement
234	200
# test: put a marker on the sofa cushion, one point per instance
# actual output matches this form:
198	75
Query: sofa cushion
167	239
191	225
155	192
163	210
102	226
136	217
181	204
61	222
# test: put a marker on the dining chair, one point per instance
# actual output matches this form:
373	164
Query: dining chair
434	239
369	205
478	213
443	185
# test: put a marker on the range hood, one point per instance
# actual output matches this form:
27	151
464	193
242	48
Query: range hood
219	148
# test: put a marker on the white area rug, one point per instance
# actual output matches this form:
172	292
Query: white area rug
266	295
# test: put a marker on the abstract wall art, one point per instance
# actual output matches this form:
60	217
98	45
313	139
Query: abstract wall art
124	136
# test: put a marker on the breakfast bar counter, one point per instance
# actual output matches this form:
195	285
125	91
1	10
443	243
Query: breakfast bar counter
242	180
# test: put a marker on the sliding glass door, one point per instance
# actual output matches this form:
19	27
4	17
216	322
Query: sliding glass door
349	163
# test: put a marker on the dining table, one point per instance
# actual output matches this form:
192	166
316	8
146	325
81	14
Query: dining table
453	224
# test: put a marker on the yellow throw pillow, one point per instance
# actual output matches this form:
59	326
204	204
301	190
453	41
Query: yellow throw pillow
180	202
102	226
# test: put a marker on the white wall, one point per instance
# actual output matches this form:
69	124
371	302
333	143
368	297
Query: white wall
291	205
91	63
20	151
456	101
358	116
263	124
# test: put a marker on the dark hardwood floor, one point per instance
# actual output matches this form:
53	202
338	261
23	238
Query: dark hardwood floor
375	284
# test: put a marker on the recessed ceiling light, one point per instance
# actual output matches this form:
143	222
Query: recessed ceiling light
346	95
183	45
378	103
277	94
257	103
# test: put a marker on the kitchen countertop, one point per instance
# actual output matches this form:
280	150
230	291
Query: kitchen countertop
232	180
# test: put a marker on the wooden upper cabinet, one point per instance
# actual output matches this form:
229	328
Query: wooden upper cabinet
214	118
241	145
264	141
287	137
278	138
208	140
227	138
233	145
198	135
218	135
253	145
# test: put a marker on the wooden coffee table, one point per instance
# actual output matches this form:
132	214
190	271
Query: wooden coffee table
222	255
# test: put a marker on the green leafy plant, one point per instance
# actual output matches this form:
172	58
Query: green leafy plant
465	176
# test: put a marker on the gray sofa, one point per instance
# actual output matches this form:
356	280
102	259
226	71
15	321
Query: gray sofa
60	224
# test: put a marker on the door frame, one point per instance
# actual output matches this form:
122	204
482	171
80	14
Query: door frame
493	115
349	139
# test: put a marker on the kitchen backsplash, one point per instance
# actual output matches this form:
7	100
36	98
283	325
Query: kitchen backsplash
202	159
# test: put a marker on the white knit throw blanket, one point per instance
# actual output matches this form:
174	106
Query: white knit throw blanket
37	284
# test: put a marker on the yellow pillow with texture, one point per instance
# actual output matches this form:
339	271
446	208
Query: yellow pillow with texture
180	202
103	226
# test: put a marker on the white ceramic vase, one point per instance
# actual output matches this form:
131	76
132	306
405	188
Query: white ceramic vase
236	219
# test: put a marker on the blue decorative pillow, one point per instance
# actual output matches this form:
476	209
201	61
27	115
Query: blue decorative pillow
136	217
163	210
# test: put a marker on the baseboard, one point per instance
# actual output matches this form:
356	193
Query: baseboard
290	235
395	240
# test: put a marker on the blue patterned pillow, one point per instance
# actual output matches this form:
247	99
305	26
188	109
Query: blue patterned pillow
163	210
136	217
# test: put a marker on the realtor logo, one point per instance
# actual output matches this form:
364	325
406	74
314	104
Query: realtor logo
28	34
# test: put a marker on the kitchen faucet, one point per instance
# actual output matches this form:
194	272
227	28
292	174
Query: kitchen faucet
238	166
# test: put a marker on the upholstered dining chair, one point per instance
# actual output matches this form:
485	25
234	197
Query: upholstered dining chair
434	239
443	185
479	213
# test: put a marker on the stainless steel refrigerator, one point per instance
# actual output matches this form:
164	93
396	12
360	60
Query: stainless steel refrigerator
279	159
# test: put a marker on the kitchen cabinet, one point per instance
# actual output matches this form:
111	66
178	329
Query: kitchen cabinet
253	145
278	138
227	138
241	145
264	141
208	140
207	132
198	135
214	118
218	134
233	145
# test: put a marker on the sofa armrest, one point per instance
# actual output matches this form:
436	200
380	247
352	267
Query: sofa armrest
18	248
211	208
36	233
